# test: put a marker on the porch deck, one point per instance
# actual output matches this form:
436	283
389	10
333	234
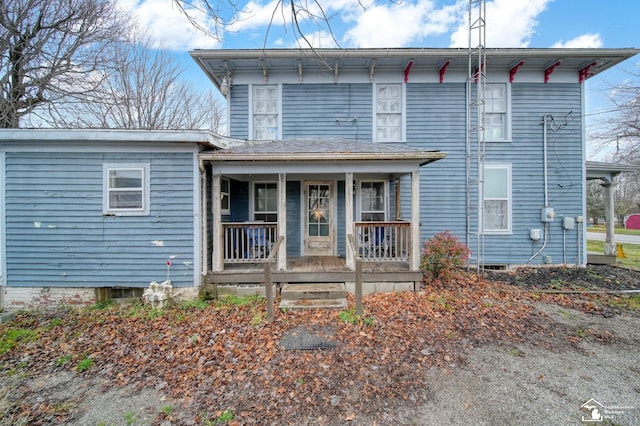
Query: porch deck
315	269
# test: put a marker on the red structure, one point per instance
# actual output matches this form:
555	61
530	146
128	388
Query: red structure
632	221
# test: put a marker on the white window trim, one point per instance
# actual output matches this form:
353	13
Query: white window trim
228	194
252	202
509	229
403	111
508	133
278	109
146	189
385	201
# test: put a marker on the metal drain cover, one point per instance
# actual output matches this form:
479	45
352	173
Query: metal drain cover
302	338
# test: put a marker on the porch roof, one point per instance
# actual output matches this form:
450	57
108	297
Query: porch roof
608	171
323	150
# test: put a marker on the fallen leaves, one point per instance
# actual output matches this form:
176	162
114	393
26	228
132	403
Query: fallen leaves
220	361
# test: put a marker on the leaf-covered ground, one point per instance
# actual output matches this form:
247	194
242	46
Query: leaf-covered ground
223	362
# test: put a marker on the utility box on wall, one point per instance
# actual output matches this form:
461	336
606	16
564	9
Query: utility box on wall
535	234
568	223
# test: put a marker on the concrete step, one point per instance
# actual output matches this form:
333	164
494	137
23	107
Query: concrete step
313	291
313	303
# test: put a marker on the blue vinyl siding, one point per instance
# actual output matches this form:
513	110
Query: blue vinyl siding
56	234
239	112
313	110
341	233
436	120
294	217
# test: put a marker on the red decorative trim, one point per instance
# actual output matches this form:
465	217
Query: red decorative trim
583	74
443	70
407	70
513	71
549	71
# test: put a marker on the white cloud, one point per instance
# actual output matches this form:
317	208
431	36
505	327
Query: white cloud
398	24
509	23
167	25
583	41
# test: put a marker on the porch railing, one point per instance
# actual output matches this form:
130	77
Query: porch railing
383	241
248	242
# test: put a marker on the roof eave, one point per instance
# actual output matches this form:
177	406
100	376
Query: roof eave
422	157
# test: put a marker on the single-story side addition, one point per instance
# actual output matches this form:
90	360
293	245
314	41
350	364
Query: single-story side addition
106	209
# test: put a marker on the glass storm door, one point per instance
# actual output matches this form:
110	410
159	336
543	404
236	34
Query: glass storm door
319	232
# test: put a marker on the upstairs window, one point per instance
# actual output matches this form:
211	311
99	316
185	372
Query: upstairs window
372	201
388	106
126	189
497	199
265	201
265	112
496	117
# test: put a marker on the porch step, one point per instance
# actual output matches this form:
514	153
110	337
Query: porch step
317	295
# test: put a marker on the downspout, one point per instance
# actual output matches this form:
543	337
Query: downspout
203	217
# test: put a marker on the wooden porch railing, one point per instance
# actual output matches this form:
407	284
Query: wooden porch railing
383	241
248	242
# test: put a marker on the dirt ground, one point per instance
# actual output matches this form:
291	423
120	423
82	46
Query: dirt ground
572	351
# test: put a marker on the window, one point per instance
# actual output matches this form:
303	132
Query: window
388	105
497	198
265	202
265	112
495	112
372	201
225	206
126	189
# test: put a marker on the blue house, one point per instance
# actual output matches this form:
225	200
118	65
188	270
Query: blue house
332	157
393	146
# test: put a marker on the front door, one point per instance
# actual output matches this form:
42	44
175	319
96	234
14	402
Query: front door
319	231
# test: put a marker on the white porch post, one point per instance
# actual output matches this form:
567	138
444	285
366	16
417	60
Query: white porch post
414	261
348	213
282	220
217	253
610	242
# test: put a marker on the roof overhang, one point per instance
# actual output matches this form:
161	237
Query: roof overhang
608	171
206	139
322	150
221	64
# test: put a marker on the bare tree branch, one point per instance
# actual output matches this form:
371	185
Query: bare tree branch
50	50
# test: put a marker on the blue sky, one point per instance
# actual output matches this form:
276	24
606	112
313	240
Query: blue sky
413	23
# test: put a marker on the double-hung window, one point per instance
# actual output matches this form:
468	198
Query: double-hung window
125	189
496	117
372	201
388	107
265	112
497	198
265	201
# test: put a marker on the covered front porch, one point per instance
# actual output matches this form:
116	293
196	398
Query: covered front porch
312	208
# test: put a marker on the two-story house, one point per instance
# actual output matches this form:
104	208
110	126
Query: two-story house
333	158
345	142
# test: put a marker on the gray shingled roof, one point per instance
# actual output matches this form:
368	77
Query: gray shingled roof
320	146
323	149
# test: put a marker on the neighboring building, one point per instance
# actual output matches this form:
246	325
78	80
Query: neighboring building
632	221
